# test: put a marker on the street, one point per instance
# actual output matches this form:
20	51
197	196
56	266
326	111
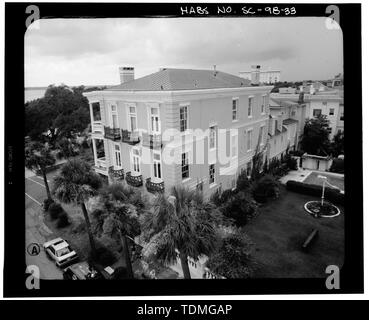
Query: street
36	230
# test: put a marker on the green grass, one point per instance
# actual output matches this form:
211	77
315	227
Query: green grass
279	231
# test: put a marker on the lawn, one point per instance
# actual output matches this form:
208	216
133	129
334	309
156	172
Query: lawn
279	231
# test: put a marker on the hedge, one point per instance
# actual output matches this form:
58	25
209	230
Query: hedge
330	194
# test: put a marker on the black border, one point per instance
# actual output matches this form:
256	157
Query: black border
14	264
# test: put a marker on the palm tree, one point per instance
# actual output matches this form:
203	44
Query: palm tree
38	157
117	216
181	222
75	183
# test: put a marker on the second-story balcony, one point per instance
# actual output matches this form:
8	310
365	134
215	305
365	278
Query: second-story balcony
134	180
97	127
100	166
116	173
154	187
112	133
130	137
153	141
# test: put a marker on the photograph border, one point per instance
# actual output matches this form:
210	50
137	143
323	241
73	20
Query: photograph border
14	275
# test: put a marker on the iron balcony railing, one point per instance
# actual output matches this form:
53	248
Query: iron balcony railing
135	181
116	173
153	141
130	137
154	187
112	133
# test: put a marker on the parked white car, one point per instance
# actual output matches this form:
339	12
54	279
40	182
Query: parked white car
60	251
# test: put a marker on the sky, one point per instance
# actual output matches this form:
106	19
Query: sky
89	51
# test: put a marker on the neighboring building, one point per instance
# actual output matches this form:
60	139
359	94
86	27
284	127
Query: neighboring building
132	124
285	127
317	99
266	76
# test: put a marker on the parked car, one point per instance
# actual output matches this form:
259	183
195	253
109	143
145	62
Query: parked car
60	251
81	271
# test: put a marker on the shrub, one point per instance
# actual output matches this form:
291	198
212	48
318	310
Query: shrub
297	153
47	203
265	188
243	182
290	162
233	260
330	194
338	166
215	197
55	209
104	256
63	220
240	207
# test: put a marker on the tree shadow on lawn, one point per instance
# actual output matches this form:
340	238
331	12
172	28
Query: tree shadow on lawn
279	231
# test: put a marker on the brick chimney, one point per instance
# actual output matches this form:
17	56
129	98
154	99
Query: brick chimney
126	74
255	75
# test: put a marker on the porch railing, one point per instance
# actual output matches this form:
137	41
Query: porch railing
112	133
116	173
154	187
130	137
153	141
97	127
135	181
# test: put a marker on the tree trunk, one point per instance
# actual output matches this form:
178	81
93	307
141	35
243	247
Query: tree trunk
88	225
126	255
184	264
46	185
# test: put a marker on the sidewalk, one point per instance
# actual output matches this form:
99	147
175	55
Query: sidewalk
297	175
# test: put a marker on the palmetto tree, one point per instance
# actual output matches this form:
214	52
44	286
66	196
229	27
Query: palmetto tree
117	217
75	183
38	156
181	222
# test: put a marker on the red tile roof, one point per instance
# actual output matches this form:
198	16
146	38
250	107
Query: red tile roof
183	79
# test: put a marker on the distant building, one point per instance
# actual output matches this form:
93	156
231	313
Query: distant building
266	76
317	99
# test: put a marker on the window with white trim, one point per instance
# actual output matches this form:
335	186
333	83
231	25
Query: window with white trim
114	116
263	104
262	133
212	137
331	111
96	112
118	159
155	121
211	174
248	168
249	108
234	109
317	112
157	165
132	115
183	118
185	166
249	140
136	160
